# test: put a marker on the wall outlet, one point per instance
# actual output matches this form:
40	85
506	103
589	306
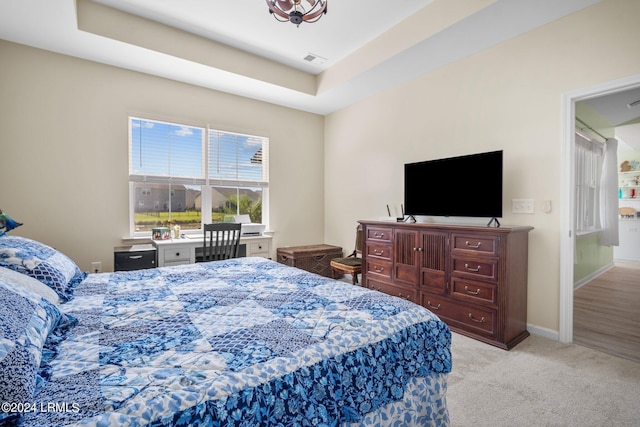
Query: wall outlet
522	206
96	267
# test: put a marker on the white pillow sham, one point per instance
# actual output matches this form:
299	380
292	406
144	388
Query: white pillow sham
28	282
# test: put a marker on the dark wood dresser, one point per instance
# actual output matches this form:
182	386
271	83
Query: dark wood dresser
313	258
473	277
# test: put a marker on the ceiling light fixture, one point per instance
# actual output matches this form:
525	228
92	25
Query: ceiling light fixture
293	11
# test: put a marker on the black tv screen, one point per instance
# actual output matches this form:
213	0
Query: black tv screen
464	186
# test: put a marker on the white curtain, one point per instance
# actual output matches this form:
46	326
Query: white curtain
609	195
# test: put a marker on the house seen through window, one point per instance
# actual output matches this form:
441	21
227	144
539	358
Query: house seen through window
192	175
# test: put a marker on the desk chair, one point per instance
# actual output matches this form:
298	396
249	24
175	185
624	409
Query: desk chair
221	241
351	264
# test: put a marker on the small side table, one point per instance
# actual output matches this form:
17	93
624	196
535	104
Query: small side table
313	258
136	257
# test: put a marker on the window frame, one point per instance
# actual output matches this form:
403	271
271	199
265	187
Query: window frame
205	182
589	156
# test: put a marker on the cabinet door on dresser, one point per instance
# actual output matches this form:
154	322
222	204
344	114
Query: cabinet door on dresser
406	262
434	247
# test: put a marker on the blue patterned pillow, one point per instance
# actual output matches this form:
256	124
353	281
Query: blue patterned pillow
41	262
26	320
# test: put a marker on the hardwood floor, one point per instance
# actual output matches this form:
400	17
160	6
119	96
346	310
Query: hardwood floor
606	311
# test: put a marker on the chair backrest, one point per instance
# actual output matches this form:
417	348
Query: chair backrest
221	241
359	240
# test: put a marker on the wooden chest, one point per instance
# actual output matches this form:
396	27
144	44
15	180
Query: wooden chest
313	258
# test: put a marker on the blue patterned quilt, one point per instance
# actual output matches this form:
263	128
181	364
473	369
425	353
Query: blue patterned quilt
243	342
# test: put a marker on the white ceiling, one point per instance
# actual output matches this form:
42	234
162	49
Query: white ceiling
246	25
615	109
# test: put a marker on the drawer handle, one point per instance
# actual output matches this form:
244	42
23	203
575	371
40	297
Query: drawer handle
476	320
378	235
378	252
405	297
135	256
177	253
378	269
433	306
417	249
470	292
475	270
476	246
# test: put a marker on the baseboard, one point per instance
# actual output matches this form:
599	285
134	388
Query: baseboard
593	275
543	332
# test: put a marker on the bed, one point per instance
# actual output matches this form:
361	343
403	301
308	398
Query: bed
242	342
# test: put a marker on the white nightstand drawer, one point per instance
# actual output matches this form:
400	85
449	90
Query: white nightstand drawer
259	249
176	256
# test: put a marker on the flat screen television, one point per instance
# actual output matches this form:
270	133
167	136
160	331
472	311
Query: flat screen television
464	186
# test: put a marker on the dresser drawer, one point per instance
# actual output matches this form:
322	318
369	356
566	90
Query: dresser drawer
379	250
474	244
467	317
381	234
125	259
475	268
379	268
393	290
474	291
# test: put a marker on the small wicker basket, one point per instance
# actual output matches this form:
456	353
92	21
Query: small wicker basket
627	212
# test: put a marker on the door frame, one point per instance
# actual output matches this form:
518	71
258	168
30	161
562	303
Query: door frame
567	192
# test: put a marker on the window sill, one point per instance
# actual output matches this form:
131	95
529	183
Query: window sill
586	233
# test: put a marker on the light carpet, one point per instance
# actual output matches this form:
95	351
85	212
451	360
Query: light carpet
541	382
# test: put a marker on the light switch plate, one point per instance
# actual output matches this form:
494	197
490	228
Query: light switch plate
522	206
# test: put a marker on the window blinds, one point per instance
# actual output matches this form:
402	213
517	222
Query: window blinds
172	153
237	159
166	152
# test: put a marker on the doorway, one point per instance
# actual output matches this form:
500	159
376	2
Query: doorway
567	241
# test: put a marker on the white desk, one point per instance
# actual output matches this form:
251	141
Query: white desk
183	250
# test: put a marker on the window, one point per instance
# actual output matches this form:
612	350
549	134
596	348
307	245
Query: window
190	175
237	175
588	168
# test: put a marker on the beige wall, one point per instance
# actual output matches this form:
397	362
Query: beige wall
64	158
63	139
507	97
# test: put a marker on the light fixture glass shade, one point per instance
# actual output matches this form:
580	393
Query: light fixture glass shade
297	11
